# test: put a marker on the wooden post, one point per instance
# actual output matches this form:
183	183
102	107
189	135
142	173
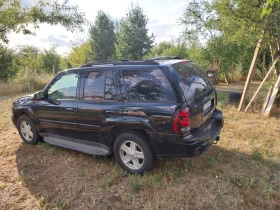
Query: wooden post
53	70
251	71
272	98
268	73
267	99
28	79
272	56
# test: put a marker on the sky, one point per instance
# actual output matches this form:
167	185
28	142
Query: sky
162	17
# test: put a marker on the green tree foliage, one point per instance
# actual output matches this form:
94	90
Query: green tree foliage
199	21
8	67
80	54
168	49
49	59
158	49
231	28
239	20
28	57
102	37
268	7
15	17
133	41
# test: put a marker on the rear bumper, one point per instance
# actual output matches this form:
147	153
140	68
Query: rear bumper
171	145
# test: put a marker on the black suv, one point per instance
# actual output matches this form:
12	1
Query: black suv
136	110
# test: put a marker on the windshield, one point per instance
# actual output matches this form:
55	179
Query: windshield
192	79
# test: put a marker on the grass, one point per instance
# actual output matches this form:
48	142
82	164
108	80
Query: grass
240	172
20	85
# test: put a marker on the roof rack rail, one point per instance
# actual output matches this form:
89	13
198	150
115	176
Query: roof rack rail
99	62
120	62
165	58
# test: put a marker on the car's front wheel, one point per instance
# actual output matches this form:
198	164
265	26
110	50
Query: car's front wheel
133	153
27	130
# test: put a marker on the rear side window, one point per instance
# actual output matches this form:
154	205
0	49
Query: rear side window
192	79
94	85
99	85
147	85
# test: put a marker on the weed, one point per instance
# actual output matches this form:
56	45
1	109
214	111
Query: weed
211	162
178	171
222	98
42	202
98	158
50	148
135	185
81	171
257	154
130	198
188	164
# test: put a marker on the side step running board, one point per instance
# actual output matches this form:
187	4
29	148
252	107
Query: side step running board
76	144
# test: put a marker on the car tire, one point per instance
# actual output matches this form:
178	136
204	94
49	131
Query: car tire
133	153
27	130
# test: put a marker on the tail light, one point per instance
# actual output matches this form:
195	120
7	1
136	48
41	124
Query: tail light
181	122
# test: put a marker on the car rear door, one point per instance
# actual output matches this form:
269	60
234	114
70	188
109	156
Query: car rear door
149	99
99	108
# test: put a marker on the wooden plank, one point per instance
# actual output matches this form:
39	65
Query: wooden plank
251	71
272	98
267	99
268	73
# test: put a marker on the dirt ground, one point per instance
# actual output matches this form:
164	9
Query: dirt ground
241	172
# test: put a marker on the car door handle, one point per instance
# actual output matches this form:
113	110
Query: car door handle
110	112
69	109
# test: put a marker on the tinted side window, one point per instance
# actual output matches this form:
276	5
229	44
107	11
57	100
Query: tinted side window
147	85
192	79
110	86
94	85
65	87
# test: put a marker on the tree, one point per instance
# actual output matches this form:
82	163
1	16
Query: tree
169	49
80	54
158	49
232	24
14	17
133	41
50	59
28	56
8	67
102	37
199	21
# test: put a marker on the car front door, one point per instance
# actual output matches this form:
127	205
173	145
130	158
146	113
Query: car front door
99	108
57	114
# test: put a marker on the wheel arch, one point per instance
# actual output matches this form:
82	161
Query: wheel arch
28	113
118	130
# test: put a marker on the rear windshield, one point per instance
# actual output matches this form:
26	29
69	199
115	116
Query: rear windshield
192	79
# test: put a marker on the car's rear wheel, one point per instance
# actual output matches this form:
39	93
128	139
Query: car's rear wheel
133	153
27	130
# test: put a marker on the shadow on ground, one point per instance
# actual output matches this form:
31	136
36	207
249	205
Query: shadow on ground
221	179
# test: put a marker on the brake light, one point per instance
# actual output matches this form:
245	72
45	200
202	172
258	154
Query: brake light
181	122
184	61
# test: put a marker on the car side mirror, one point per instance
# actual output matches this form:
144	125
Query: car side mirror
40	95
